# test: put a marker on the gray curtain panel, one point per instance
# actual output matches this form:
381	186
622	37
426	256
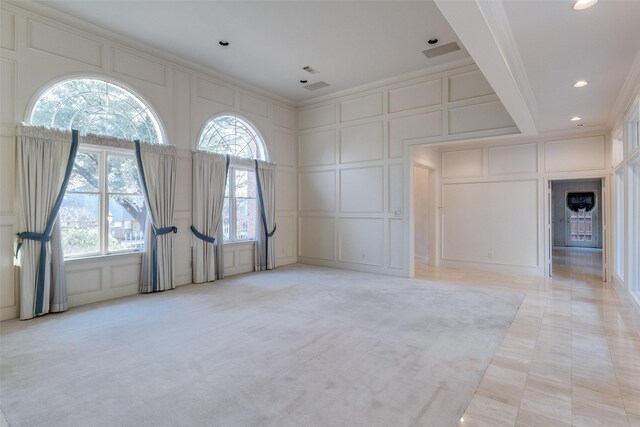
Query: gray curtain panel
45	159
209	182
265	256
157	171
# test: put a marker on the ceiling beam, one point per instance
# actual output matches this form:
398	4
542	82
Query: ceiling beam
486	34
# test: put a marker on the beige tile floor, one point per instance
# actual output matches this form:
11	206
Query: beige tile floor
570	357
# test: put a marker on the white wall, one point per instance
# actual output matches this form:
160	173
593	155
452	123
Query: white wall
355	162
493	196
37	50
421	212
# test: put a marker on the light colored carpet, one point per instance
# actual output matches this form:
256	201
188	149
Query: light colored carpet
298	346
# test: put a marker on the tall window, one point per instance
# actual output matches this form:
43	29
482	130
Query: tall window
103	209
231	135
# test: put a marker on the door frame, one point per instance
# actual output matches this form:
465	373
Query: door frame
604	220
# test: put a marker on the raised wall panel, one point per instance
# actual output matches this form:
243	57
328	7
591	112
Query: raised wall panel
575	154
8	90
479	117
283	117
7	30
513	159
413	127
361	143
7	284
124	275
468	85
321	116
134	65
396	243
317	238
62	43
424	94
229	258
317	149
361	108
84	280
318	191
182	109
396	188
491	222
362	189
285	237
183	180
462	164
254	105
286	190
283	148
7	174
245	256
362	240
214	92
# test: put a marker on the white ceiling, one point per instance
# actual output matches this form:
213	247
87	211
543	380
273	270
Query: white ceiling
559	46
349	43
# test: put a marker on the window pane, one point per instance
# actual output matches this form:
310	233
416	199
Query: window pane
245	219
80	224
122	174
226	221
127	216
86	173
245	183
231	135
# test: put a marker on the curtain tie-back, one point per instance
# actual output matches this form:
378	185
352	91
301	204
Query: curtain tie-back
201	236
45	236
164	230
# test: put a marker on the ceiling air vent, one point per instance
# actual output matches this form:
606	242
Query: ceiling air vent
309	70
441	50
316	85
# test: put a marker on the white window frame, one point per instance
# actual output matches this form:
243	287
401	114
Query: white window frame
103	212
231	182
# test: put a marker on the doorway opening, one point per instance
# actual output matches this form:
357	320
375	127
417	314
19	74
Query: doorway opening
577	228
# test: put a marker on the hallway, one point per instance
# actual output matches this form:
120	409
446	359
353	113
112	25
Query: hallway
571	355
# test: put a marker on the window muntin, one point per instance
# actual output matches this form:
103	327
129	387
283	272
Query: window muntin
232	135
103	210
96	106
240	208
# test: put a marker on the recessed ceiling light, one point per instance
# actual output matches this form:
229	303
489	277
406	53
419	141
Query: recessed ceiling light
303	81
580	83
223	43
433	41
576	119
583	4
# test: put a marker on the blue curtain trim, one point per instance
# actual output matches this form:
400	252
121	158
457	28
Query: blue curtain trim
45	236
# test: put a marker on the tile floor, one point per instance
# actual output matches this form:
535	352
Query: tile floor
570	357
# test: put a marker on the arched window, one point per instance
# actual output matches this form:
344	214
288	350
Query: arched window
96	106
103	210
229	134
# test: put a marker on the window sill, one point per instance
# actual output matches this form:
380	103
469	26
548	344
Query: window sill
97	258
239	242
